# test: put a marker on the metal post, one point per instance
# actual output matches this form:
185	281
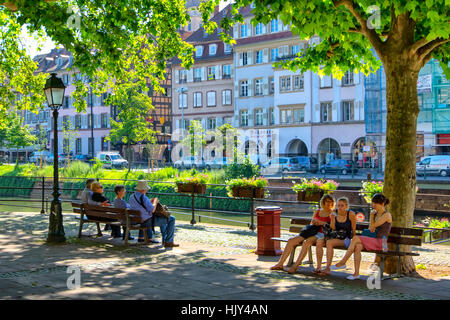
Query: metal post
252	215
56	228
193	210
43	196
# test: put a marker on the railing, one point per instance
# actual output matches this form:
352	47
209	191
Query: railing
434	235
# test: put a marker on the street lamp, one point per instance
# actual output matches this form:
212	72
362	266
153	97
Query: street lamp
54	92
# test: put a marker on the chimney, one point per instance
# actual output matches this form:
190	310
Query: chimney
216	11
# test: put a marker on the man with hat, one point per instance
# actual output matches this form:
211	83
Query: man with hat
139	201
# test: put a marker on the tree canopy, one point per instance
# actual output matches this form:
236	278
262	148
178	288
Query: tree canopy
117	44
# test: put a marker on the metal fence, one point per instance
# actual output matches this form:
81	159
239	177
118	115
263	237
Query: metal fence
40	196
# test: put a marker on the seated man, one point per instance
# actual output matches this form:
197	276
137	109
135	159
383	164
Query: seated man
139	201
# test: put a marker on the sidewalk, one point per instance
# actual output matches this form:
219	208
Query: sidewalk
213	262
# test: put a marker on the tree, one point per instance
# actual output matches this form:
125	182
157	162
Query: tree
69	136
41	143
18	135
116	43
132	125
194	141
405	35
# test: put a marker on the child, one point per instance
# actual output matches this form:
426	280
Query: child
97	196
120	202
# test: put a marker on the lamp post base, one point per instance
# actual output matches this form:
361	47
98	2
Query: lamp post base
56	229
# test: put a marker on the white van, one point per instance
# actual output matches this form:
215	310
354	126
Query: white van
434	165
111	160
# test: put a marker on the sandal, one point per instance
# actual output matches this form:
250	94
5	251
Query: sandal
317	271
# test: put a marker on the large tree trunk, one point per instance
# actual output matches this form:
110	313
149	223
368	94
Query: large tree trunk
400	172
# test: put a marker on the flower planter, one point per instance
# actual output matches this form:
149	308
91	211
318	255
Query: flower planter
308	196
191	188
247	192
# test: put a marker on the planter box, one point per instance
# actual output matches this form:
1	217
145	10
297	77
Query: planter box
247	192
191	188
311	197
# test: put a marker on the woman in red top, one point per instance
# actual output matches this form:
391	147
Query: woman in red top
320	217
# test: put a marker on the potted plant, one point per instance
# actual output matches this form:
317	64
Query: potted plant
246	187
192	184
313	189
369	188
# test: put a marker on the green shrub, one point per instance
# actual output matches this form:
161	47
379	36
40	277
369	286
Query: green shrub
242	170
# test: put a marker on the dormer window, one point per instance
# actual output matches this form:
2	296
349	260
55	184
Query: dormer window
227	48
198	51
59	61
212	49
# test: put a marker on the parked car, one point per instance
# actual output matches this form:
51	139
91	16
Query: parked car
339	166
84	158
216	163
434	165
309	164
38	155
112	160
282	164
189	162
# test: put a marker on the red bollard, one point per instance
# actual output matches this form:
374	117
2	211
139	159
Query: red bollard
268	227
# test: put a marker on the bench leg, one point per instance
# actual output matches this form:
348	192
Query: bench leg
310	257
81	226
291	257
99	230
127	234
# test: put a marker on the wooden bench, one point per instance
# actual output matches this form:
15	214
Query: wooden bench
397	236
118	217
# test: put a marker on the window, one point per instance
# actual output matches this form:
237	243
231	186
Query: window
212	73
189	27
298	115
90	121
259	28
259	56
259	117
347	80
285	84
227	48
182	100
183	76
274	25
226	74
273	54
243	30
198	51
271	116
259	87
243	88
227	120
78	121
298	82
104	120
226	97
286	116
197	74
244	58
197	99
65	122
325	112
66	102
78	145
325	82
66	79
348	111
211	97
211	123
271	85
244	118
186	124
90	145
104	144
295	49
212	49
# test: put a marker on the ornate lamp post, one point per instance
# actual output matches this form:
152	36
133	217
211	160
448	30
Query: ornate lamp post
54	92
